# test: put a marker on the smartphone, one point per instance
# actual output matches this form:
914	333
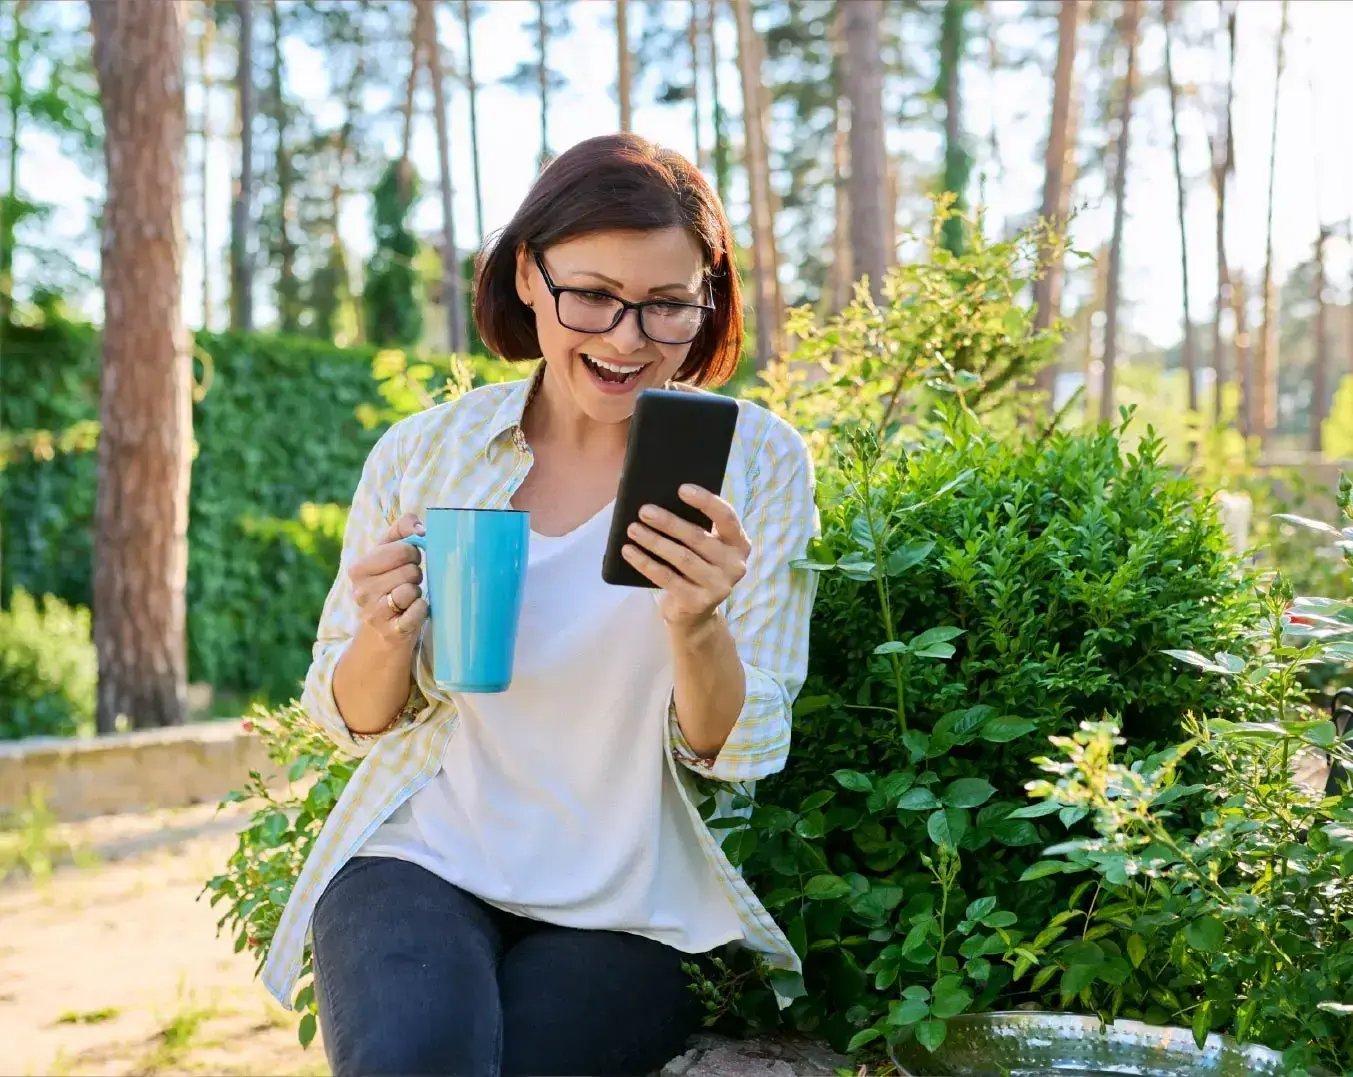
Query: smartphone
675	437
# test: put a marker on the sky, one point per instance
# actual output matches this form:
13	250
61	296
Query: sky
1315	150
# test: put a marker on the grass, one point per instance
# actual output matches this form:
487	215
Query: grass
29	843
88	1017
179	1034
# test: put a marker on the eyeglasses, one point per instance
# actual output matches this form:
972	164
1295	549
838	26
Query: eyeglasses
585	310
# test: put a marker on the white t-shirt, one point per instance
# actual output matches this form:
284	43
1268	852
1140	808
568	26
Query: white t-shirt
555	800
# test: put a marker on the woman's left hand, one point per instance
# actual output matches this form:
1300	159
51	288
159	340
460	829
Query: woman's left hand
705	565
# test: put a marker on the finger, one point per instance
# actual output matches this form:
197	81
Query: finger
370	588
685	560
404	596
408	623
662	575
387	557
406	525
721	514
708	545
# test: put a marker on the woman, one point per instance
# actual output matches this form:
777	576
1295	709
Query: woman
512	883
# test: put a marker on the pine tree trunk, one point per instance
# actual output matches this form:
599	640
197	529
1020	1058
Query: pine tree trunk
768	315
1223	164
1244	358
1131	18
1057	173
868	181
14	92
544	76
1320	373
452	294
241	264
410	89
205	42
716	104
1190	354
467	18
957	163
693	43
842	275
1265	420
622	51
288	287
145	415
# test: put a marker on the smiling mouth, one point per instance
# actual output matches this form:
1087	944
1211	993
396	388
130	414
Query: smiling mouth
612	373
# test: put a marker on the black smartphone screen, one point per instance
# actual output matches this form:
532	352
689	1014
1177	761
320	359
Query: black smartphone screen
675	437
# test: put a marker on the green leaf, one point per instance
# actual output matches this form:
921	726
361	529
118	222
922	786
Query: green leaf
1202	1022
941	651
1042	869
937	826
739	845
968	793
979	908
1006	728
1033	811
806	705
1205	934
868	1035
930	1034
932	636
950	1002
815	800
306	1032
1136	948
854	781
908	556
917	799
893	646
826	888
908	1012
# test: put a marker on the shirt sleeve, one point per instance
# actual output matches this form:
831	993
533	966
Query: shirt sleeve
374	509
768	615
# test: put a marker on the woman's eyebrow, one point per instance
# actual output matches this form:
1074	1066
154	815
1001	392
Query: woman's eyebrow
683	287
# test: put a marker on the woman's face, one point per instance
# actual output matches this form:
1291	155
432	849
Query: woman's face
603	373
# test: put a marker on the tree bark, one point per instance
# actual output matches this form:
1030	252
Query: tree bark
14	92
842	274
241	261
467	17
1320	373
204	48
288	287
1057	170
868	181
1244	358
622	51
1223	164
693	43
957	163
1190	354
452	295
1131	18
768	314
544	84
141	514
1265	420
716	104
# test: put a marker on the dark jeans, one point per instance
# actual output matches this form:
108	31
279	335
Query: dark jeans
415	977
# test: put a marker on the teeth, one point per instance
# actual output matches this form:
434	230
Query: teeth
614	368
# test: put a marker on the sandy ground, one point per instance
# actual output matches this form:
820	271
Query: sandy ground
115	968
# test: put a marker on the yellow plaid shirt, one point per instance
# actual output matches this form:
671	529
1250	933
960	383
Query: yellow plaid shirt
471	452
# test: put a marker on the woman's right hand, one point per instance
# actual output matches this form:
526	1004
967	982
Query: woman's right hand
385	585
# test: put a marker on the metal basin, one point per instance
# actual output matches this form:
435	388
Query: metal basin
1022	1043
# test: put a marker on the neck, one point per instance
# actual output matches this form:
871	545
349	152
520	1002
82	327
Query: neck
552	418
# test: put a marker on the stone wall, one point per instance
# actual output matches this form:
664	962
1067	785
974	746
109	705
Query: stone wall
124	772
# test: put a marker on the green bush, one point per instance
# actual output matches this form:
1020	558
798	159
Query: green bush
282	427
47	669
977	596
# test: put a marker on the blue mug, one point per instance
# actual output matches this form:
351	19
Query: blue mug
475	563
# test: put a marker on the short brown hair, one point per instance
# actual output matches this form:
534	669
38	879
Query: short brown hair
620	183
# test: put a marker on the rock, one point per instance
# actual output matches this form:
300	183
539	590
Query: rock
710	1055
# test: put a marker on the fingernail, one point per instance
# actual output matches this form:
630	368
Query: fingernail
689	491
420	529
648	512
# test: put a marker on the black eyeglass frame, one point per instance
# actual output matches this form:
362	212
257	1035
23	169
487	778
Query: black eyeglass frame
557	290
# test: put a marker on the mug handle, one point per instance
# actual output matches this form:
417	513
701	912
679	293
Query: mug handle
421	542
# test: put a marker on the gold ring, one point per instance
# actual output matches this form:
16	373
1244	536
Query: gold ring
390	601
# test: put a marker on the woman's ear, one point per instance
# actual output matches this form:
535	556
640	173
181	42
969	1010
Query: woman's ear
525	264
